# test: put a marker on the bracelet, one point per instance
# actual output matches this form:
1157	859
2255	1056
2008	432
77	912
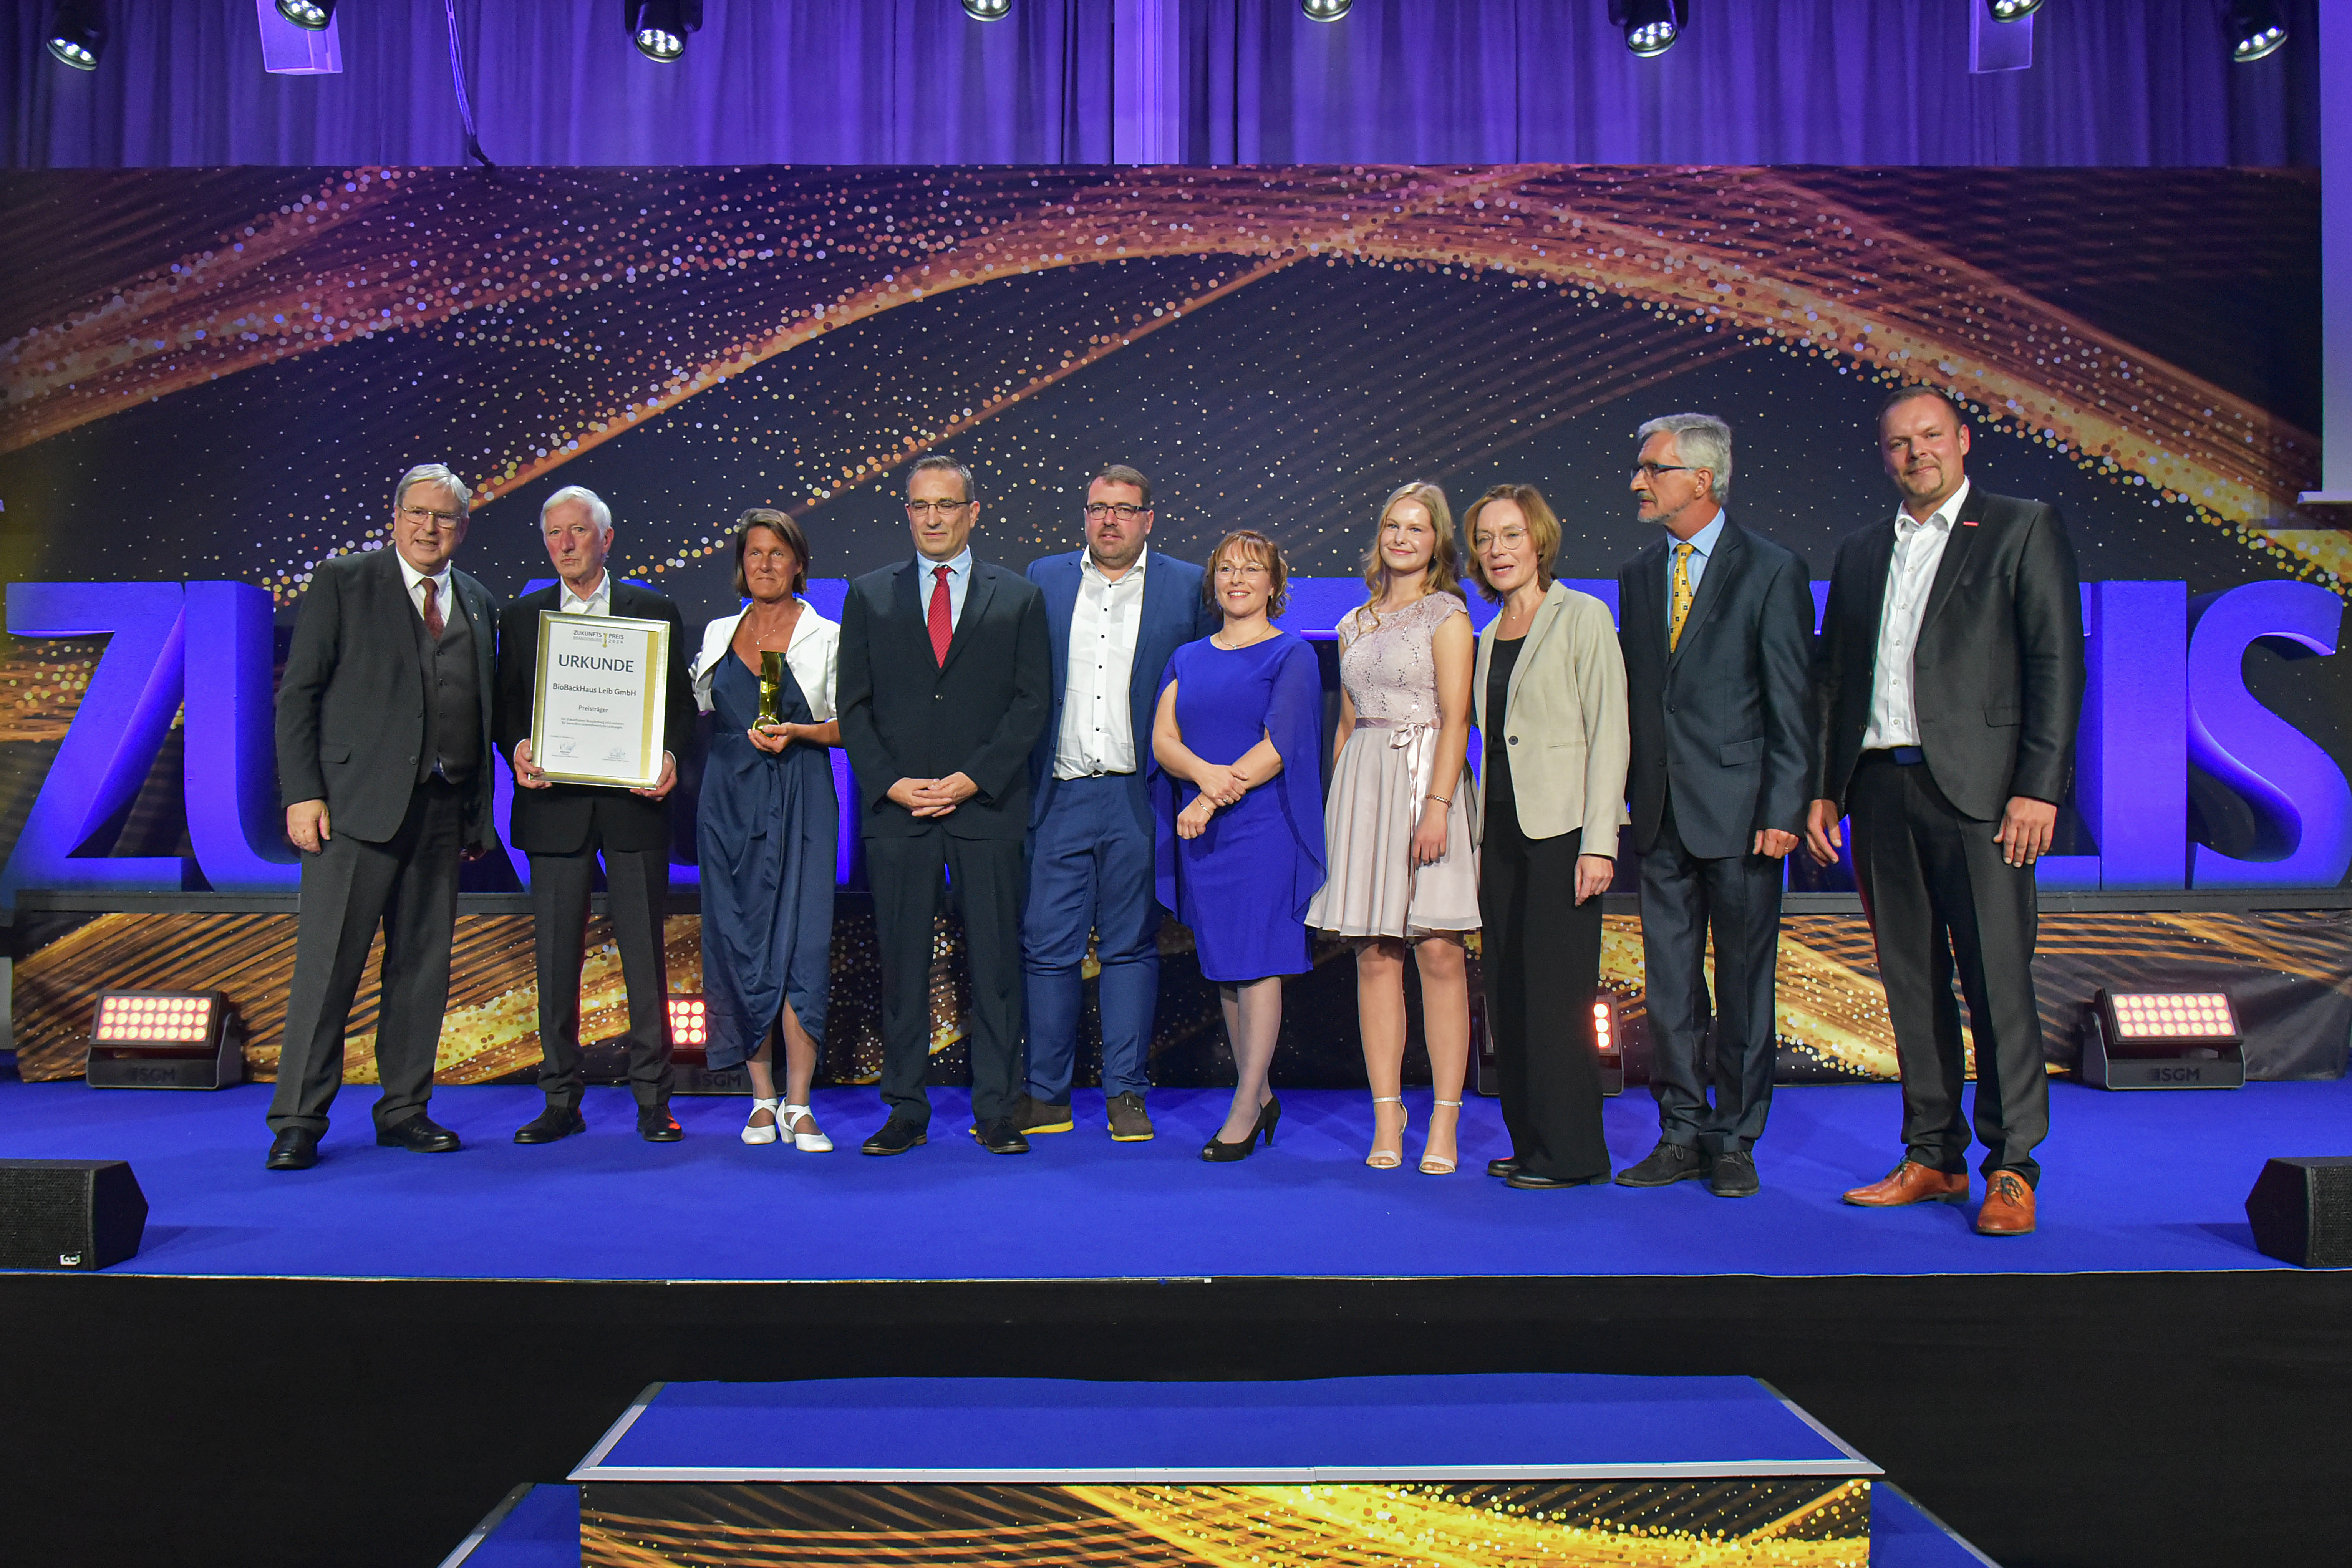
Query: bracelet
1440	799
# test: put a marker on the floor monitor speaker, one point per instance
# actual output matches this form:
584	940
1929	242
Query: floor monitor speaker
2302	1210
68	1213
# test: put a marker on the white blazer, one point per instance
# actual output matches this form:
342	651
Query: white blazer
813	658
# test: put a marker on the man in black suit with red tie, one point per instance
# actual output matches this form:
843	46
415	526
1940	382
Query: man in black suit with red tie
563	827
1716	623
1950	680
384	762
945	685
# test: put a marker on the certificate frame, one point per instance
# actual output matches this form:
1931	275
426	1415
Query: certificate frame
603	727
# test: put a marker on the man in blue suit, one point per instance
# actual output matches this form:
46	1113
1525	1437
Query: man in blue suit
1114	613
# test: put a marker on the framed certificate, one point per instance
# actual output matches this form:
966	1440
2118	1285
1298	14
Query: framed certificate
597	708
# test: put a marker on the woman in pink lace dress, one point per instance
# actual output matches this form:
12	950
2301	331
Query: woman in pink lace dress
1402	871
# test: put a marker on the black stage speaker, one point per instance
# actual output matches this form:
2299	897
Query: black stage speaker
2302	1210
68	1213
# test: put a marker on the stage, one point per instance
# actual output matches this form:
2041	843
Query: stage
2152	1182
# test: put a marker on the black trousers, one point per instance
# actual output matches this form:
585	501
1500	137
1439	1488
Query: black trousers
1685	900
1540	955
409	884
637	884
1939	896
905	874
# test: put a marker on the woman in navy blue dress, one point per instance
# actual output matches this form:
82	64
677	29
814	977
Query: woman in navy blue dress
1238	745
769	827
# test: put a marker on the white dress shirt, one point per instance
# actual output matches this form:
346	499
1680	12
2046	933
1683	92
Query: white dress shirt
416	580
1910	573
599	601
959	584
1702	545
1098	730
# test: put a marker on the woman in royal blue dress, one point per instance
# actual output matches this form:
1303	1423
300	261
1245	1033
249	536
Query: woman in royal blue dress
768	828
1236	742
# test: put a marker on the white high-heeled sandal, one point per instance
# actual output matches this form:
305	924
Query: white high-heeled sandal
806	1142
1381	1159
761	1134
1437	1165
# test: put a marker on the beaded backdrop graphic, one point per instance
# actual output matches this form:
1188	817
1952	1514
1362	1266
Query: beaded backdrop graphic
218	374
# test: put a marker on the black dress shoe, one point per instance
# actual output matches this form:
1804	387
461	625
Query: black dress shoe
1509	1165
420	1135
555	1121
895	1136
656	1125
1001	1137
295	1149
1663	1166
1733	1175
1528	1182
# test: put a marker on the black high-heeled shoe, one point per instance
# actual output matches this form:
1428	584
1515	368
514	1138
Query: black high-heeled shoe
1217	1152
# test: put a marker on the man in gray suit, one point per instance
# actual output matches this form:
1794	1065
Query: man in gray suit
383	755
1717	626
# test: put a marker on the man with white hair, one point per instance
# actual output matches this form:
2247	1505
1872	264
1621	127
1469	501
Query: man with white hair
1715	622
384	752
563	827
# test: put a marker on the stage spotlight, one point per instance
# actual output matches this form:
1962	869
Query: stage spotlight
689	1051
1608	1043
2011	10
163	1039
660	27
987	10
77	34
1325	10
1651	25
2257	29
689	1024
312	13
2162	1040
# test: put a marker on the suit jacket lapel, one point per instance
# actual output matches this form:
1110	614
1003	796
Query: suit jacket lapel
976	595
1956	555
1877	560
1713	585
1547	616
908	591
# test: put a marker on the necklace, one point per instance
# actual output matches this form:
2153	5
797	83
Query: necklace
761	637
1219	639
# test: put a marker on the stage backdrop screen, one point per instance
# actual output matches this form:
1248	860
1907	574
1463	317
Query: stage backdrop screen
213	378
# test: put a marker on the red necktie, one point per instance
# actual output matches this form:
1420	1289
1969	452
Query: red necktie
432	611
942	622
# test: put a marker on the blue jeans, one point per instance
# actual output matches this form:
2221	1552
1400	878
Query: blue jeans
1090	874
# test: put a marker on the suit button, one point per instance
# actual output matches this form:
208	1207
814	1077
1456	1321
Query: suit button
1515	740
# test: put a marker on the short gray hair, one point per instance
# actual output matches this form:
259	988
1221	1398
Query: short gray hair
431	473
1702	441
598	512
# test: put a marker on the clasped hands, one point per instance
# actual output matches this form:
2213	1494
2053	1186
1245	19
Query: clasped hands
529	776
1221	784
934	797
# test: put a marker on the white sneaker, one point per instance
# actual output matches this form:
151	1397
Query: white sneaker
761	1134
806	1142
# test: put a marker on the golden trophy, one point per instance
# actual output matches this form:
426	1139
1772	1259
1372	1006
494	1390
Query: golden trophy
772	688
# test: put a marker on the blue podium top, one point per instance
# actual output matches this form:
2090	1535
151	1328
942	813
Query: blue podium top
1441	1428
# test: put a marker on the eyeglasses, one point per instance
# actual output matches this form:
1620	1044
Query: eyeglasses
1098	510
420	515
1243	569
1508	539
1654	470
945	508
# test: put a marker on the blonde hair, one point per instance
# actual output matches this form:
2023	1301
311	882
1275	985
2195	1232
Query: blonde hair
1543	532
1444	571
1249	542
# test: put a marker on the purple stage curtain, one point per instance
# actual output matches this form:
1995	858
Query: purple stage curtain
2115	82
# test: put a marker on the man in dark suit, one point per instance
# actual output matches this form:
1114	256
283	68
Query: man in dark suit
944	688
1114	613
1716	623
384	761
562	826
1950	680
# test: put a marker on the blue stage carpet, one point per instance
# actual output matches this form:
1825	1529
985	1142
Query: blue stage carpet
2133	1182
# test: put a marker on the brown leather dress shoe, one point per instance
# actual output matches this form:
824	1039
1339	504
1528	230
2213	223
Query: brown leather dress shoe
2007	1207
1912	1183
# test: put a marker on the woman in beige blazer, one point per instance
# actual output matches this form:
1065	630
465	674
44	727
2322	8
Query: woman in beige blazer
1549	695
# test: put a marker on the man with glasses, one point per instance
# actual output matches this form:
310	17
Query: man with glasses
1114	614
944	688
1716	623
383	753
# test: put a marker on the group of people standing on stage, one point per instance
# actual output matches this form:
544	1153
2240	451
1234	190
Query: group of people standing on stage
1117	734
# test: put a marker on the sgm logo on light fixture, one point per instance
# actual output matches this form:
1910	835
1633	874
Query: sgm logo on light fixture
69	1259
2177	1075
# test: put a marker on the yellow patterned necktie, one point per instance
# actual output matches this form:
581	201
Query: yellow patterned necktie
1681	602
